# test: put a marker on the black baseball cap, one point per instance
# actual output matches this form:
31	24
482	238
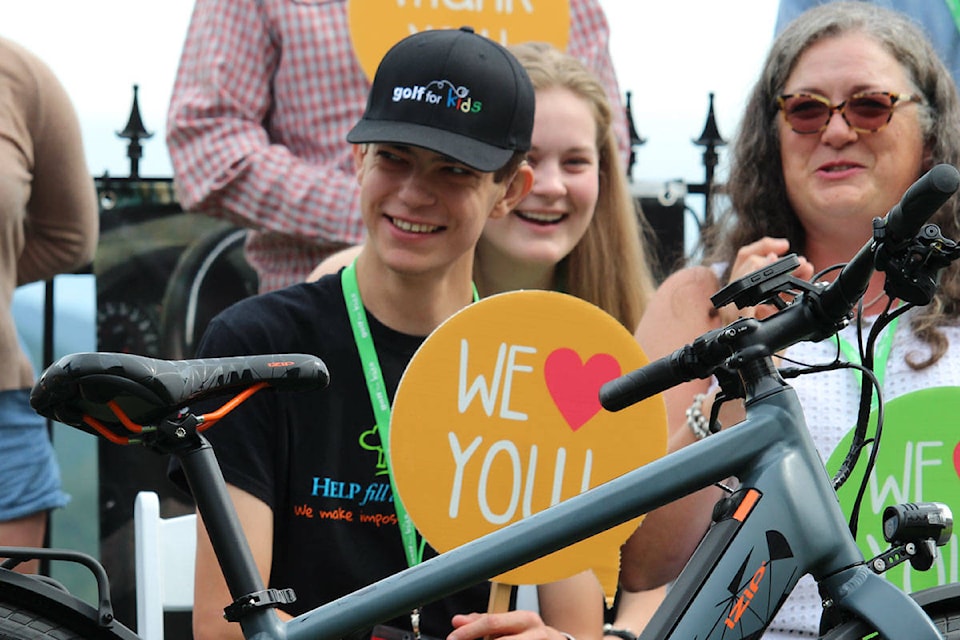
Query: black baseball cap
454	92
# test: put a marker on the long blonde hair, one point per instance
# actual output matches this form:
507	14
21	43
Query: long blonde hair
609	266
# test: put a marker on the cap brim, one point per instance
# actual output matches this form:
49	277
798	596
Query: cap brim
471	152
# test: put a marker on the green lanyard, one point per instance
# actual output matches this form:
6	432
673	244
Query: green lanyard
954	6
881	354
379	400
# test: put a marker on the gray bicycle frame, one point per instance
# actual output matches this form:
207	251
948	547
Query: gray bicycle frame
796	527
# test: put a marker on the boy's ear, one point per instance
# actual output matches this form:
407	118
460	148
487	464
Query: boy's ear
359	153
517	189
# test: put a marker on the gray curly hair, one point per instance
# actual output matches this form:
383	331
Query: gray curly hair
758	203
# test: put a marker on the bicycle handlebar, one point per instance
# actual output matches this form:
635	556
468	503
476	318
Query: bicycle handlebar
814	315
920	201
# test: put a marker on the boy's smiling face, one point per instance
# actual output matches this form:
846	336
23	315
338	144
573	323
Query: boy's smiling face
424	211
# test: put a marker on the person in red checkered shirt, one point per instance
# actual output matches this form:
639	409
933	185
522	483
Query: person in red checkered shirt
265	93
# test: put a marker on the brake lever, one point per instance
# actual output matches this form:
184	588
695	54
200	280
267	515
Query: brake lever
731	388
913	270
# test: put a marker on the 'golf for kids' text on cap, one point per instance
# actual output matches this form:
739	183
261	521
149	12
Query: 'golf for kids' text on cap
453	92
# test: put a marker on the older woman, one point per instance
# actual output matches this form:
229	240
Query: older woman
851	107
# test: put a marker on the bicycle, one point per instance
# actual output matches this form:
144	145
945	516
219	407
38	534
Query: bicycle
784	521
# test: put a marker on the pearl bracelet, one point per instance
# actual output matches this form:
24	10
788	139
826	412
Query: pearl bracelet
623	634
698	422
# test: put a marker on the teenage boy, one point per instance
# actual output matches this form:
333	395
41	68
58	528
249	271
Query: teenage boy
438	151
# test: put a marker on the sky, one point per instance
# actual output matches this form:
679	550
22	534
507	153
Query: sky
670	54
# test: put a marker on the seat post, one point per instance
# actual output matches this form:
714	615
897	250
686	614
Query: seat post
230	545
220	518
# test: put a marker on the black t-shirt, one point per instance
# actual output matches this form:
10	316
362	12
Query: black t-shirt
314	457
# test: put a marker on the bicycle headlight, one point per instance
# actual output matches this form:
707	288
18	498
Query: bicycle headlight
916	521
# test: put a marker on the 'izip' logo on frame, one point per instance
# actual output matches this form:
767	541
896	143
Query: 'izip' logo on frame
743	602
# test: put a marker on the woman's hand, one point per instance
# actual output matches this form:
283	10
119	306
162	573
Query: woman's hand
520	625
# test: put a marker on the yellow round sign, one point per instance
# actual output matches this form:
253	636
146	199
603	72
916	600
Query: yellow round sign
497	417
376	25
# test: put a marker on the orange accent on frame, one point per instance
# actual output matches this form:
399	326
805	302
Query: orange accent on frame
746	505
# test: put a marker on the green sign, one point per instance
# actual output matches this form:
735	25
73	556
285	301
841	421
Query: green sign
919	461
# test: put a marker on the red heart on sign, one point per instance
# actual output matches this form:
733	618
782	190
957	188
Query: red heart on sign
575	386
956	459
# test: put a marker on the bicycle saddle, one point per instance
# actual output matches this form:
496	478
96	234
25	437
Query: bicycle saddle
148	389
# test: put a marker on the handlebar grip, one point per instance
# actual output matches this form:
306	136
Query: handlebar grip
921	201
642	383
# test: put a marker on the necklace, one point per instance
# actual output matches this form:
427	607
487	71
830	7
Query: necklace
877	299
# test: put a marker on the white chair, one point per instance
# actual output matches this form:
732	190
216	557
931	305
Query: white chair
527	598
164	553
